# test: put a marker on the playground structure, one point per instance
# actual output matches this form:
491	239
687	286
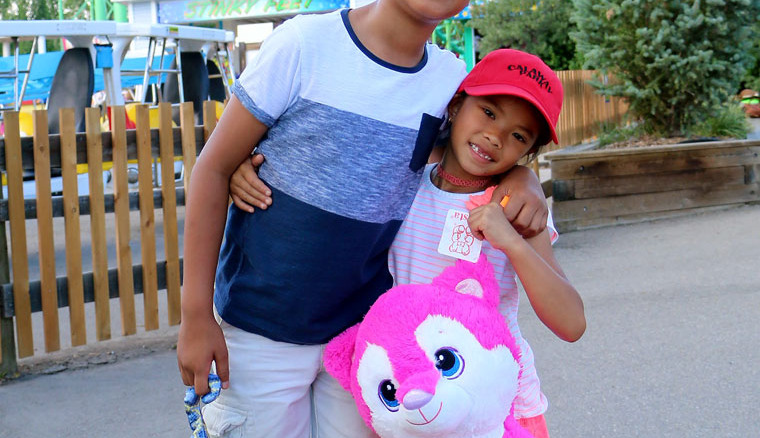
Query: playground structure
97	62
456	35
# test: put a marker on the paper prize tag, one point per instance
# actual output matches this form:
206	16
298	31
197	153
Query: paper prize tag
457	239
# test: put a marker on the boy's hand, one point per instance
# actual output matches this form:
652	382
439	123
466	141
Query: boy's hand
246	189
527	210
200	342
488	222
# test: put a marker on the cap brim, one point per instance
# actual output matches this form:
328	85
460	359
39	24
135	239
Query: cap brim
509	90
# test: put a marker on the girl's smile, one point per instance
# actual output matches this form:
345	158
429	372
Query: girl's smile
480	153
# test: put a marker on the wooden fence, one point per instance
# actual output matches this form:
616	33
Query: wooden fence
583	110
64	151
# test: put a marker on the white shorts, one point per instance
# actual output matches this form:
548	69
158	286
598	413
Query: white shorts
282	390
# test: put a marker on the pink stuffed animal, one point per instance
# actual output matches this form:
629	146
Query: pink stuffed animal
433	360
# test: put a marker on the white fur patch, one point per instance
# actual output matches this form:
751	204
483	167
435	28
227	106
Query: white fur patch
472	403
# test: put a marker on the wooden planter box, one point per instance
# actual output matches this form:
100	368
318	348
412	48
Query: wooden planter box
593	188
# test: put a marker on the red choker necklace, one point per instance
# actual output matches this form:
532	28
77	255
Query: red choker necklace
482	182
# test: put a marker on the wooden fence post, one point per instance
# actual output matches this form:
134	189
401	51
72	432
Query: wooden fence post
98	226
147	219
7	341
209	119
187	126
171	239
45	231
121	212
21	304
73	248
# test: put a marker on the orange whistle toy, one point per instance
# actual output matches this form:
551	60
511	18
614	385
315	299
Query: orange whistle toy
504	201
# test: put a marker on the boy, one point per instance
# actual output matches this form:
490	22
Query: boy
331	102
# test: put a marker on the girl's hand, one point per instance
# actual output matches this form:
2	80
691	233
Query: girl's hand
246	189
527	210
488	222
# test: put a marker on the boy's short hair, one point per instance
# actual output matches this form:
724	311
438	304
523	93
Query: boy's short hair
520	74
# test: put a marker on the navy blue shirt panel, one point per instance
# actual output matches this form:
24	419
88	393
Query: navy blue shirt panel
296	273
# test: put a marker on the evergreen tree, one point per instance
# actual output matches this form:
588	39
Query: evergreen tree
752	77
539	27
676	61
40	8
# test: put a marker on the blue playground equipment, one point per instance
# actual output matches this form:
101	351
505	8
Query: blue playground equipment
45	65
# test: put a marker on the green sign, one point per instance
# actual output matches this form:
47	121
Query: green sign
185	11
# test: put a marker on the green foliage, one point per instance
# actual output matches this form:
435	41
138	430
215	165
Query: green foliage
752	76
676	62
728	121
41	8
610	133
539	27
38	10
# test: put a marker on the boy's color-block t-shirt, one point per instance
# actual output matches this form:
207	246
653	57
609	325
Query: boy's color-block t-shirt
414	258
349	135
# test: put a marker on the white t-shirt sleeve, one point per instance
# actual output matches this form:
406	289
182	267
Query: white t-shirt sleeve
270	83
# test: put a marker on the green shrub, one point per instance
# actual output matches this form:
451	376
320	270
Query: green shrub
728	121
676	61
611	134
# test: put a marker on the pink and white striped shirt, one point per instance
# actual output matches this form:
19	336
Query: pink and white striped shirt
414	258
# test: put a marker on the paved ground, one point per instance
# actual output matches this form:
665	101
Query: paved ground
671	349
755	134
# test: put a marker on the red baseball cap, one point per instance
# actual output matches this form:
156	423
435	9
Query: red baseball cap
516	73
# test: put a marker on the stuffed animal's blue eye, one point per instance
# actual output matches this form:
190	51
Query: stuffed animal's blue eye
387	393
450	362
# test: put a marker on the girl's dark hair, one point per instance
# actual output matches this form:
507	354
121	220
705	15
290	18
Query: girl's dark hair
544	137
444	134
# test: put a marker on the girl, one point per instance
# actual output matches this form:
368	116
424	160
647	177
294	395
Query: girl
504	110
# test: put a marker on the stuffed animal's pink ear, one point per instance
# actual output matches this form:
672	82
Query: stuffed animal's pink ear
470	286
339	355
476	279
